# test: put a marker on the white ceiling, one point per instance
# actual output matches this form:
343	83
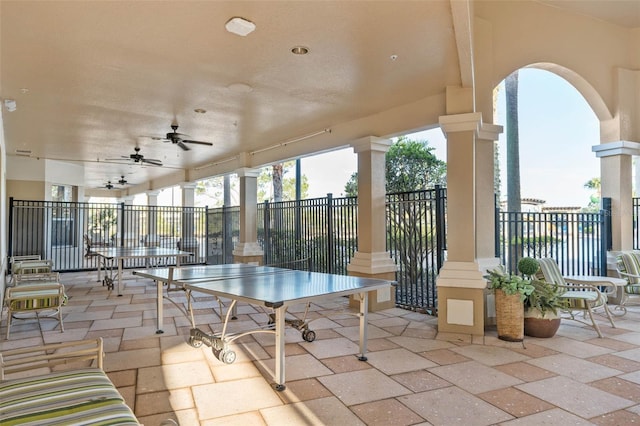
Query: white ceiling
104	77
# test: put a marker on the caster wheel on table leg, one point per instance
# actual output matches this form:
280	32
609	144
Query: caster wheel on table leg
228	357
194	343
309	335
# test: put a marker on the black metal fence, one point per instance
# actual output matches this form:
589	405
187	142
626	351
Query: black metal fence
323	230
57	230
577	241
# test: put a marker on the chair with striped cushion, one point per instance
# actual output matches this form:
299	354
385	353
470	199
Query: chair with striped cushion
35	298
579	298
628	266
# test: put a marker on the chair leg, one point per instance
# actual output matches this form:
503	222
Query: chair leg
9	316
593	321
606	309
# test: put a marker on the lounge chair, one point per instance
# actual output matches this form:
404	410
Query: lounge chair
579	298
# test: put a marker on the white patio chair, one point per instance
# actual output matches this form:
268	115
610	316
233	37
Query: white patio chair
579	298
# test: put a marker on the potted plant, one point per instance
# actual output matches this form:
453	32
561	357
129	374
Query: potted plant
511	292
541	318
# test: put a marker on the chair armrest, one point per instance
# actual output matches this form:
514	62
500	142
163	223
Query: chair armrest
25	359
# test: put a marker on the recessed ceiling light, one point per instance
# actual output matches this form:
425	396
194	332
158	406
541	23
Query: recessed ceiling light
300	50
240	26
24	90
200	110
393	57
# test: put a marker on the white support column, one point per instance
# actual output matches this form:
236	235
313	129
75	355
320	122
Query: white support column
372	259
152	239
188	240
247	250
460	283
616	183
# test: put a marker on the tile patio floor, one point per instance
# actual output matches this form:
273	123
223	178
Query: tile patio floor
410	378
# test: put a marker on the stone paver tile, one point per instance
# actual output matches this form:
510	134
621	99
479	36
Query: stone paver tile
399	360
125	323
127	345
616	362
420	381
123	378
417	344
632	354
534	351
332	347
253	418
617	345
490	355
515	402
444	356
386	412
475	377
358	387
525	371
317	412
353	333
303	390
297	367
240	396
126	360
577	398
237	370
342	364
163	402
620	387
617	418
289	349
573	347
173	376
553	417
578	369
453	406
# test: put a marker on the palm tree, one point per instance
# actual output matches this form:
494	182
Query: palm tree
513	169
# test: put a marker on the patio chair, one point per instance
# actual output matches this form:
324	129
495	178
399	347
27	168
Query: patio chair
628	267
579	298
35	297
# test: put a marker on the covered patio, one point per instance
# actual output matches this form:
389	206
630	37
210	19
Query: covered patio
411	377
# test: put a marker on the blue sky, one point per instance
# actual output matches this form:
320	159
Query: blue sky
557	131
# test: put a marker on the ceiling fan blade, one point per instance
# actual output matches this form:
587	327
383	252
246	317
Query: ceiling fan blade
151	161
183	146
198	142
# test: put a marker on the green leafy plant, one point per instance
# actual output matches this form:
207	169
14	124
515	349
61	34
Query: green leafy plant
545	297
510	284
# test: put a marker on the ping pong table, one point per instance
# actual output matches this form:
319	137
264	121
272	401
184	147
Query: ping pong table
277	290
110	257
170	276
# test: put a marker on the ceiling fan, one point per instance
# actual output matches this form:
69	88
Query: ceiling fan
122	180
109	185
180	139
137	158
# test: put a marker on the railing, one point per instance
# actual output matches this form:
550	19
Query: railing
323	230
56	230
577	241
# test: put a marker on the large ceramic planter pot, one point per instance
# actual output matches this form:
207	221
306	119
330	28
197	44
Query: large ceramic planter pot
509	317
535	325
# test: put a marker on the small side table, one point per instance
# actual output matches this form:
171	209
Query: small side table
613	287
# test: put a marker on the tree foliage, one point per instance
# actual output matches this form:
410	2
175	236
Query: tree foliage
410	166
288	179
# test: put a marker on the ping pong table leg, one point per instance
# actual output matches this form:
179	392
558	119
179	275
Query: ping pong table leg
364	308
280	331
120	262
159	312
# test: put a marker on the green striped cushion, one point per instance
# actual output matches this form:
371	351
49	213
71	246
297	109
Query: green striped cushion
82	397
629	263
34	298
550	271
576	299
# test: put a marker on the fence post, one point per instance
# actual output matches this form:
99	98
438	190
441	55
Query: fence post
10	243
122	224
440	226
330	236
267	233
607	243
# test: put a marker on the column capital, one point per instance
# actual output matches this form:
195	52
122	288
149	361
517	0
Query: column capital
153	193
610	149
247	172
371	143
188	185
489	132
128	199
469	122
